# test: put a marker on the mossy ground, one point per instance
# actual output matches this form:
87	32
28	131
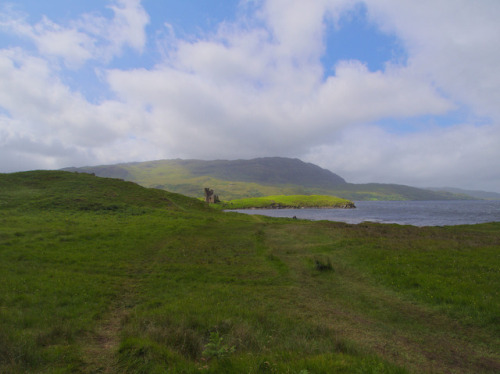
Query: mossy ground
100	275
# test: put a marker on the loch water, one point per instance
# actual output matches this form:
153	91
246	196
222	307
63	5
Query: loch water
416	213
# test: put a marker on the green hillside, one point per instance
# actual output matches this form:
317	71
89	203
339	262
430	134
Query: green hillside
256	178
100	275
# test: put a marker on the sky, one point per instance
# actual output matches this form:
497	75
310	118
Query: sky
388	91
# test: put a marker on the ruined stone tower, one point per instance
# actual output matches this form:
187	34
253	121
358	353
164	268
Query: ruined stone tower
210	196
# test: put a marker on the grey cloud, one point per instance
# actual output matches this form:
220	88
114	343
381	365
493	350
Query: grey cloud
465	156
25	152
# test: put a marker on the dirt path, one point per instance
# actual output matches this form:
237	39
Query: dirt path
100	347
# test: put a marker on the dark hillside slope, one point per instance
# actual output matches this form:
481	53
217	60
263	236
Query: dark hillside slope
268	170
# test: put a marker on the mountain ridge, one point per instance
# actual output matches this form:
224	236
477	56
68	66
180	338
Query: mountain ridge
268	170
255	178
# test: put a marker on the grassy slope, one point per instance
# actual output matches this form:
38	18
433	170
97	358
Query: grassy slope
100	275
294	201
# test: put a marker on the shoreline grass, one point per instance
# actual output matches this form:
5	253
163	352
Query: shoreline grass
287	202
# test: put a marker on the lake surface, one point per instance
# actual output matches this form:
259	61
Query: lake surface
417	213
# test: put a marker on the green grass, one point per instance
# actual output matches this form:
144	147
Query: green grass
281	201
101	275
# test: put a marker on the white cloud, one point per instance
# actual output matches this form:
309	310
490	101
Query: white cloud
43	115
355	95
126	28
256	87
90	37
452	47
452	43
234	94
74	46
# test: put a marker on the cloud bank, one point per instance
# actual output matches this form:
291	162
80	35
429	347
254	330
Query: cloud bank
257	87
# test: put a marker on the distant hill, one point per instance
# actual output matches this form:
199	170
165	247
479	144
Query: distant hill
474	193
254	178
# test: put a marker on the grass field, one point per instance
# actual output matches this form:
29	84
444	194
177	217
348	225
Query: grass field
103	276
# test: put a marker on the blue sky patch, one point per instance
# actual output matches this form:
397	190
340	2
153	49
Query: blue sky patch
355	37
